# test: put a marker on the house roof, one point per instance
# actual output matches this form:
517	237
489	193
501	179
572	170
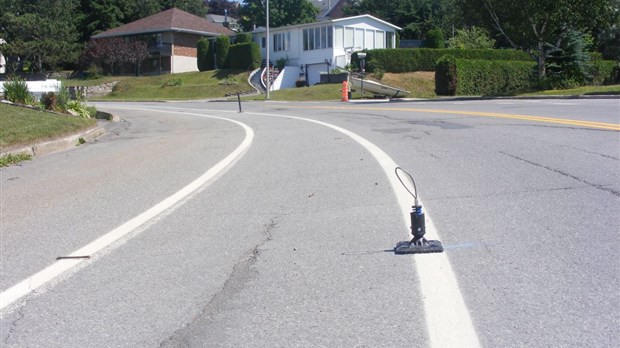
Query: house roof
169	20
367	16
325	22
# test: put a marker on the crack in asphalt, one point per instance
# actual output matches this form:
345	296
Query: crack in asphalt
14	324
242	272
596	186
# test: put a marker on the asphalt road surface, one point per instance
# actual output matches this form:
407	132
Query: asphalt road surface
193	225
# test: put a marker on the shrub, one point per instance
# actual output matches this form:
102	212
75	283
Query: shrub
173	83
434	39
63	98
222	46
281	63
485	77
605	72
211	56
50	101
243	38
445	75
202	56
245	56
78	108
16	91
93	72
378	74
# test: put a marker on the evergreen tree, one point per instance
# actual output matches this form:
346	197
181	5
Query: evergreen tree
43	33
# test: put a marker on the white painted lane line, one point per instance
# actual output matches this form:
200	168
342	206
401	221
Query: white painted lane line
58	268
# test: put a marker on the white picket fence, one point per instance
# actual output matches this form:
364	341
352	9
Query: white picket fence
38	88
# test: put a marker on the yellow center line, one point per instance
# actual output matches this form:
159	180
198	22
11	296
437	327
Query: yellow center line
588	124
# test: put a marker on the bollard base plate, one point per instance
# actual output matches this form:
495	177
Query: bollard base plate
428	246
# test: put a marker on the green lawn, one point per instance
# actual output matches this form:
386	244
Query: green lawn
185	86
22	126
312	93
220	83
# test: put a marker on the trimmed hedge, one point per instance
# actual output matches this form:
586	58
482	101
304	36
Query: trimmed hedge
486	77
424	59
483	77
445	75
244	56
222	46
203	52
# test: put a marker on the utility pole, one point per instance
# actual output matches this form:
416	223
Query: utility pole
268	48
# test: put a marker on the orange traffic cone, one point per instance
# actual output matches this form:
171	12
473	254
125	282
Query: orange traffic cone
345	91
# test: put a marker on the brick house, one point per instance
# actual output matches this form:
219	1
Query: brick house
171	37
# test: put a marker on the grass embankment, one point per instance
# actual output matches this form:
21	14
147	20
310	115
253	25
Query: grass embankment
219	83
23	126
420	84
185	86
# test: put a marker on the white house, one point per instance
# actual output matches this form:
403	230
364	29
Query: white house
322	46
2	59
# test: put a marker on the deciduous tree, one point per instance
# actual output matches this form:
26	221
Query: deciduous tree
538	26
113	54
473	38
195	7
282	12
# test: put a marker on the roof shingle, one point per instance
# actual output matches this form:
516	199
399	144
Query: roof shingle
169	20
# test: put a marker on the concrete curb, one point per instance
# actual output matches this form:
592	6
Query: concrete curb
60	144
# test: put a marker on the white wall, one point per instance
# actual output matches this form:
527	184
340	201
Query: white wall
180	64
38	88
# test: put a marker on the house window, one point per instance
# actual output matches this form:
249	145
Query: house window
281	42
348	37
359	38
369	39
310	39
263	42
306	40
318	38
379	39
339	37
